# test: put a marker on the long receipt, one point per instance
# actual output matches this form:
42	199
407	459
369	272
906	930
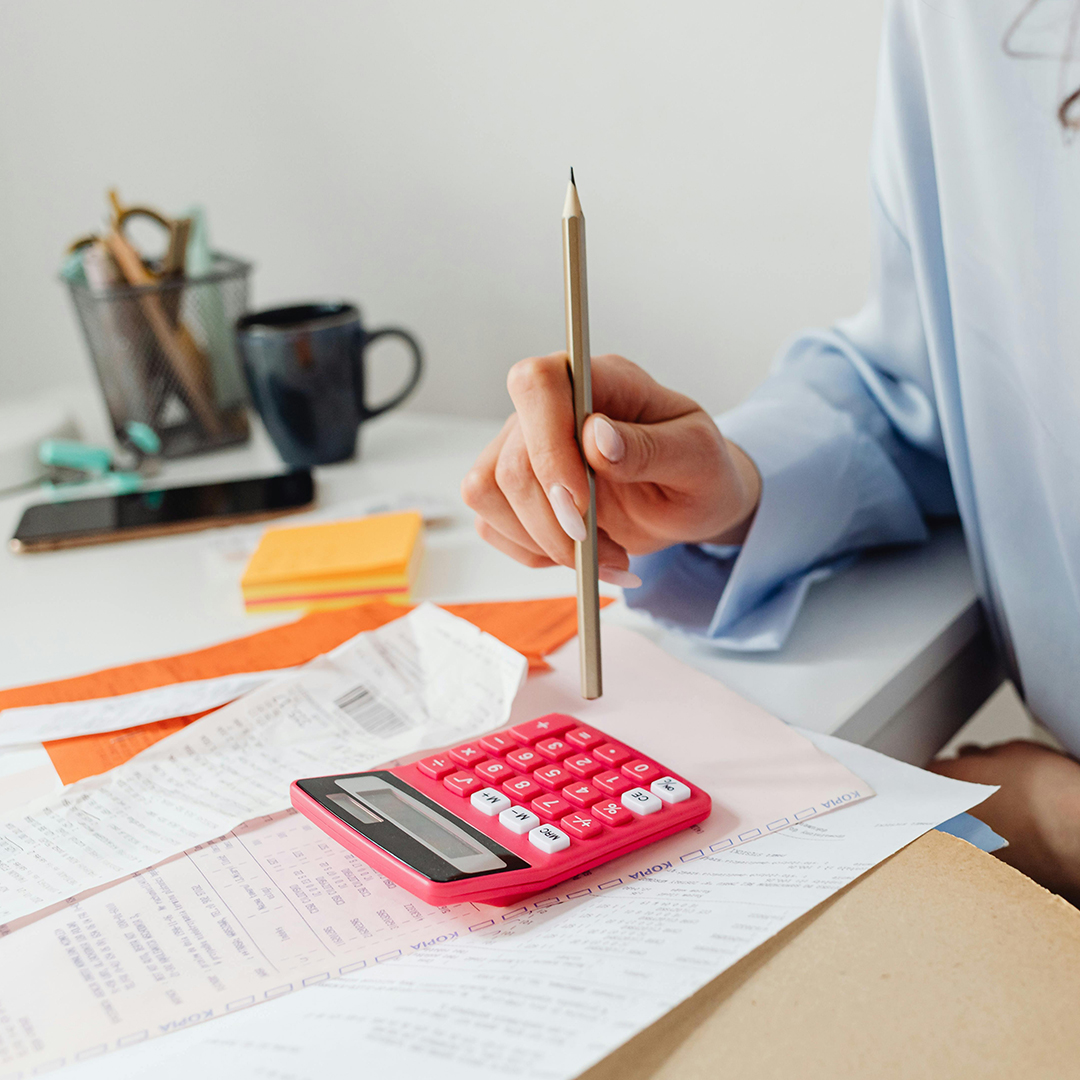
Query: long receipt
471	991
423	680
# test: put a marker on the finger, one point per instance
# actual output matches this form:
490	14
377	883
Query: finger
497	540
672	453
622	389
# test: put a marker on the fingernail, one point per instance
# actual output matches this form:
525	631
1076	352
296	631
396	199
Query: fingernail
608	441
623	578
566	513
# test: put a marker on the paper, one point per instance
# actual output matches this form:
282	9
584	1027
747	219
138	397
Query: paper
424	680
544	993
41	723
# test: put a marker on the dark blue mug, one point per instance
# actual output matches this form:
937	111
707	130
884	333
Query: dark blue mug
305	368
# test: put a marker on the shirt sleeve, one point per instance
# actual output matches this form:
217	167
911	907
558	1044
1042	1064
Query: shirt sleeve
846	437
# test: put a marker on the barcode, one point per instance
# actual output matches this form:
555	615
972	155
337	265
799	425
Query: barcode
361	705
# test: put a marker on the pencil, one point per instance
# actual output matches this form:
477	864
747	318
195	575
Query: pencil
577	351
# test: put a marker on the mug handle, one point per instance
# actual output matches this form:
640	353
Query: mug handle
414	377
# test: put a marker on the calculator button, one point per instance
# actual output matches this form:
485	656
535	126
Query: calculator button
582	765
641	802
546	726
524	759
494	772
549	839
552	777
641	771
581	794
436	767
612	783
611	754
523	788
498	742
553	749
551	806
612	813
584	738
582	826
670	790
463	783
518	820
489	801
468	755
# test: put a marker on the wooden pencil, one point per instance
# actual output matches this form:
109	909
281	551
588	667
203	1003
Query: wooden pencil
578	358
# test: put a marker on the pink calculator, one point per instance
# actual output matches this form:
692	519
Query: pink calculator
505	816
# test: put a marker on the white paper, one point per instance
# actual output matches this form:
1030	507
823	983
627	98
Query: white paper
423	680
540	995
40	723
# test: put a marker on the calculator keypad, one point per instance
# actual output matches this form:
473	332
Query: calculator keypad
555	781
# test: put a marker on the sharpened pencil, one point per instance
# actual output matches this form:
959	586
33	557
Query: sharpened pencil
577	349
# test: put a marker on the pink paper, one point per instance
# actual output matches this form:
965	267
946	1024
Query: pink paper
762	775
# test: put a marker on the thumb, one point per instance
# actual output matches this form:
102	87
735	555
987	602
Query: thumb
671	453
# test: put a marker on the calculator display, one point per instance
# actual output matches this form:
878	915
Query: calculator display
395	809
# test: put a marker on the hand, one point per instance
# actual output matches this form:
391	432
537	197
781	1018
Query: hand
664	473
1037	809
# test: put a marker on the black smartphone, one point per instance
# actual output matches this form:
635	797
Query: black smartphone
102	520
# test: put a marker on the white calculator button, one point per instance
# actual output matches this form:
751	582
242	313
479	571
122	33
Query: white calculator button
670	790
489	801
518	820
549	839
641	801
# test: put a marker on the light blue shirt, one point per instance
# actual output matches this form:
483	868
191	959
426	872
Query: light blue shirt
956	390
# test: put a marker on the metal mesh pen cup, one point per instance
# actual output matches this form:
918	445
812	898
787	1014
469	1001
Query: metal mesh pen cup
165	355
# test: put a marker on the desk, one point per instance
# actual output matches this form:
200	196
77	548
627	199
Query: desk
891	654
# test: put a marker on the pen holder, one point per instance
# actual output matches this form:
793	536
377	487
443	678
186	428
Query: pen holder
165	355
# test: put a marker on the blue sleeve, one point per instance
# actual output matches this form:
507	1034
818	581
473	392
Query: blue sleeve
845	435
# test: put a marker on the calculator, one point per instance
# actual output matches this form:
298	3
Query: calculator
505	816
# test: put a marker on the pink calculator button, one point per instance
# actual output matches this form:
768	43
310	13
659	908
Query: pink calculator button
494	772
468	755
523	788
581	794
611	754
436	767
584	738
551	806
463	783
582	826
553	749
582	765
611	813
612	783
552	777
524	760
498	742
641	771
554	724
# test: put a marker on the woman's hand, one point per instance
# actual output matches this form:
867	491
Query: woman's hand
1037	809
664	473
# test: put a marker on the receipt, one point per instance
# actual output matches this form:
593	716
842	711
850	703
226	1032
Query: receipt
472	992
424	680
40	723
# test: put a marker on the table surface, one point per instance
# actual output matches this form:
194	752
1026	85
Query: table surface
865	643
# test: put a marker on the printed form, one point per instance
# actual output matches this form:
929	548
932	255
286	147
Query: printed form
426	679
541	991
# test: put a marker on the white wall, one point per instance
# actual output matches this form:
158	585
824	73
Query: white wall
413	155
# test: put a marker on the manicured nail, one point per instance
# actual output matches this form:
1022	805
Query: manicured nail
608	441
566	513
623	578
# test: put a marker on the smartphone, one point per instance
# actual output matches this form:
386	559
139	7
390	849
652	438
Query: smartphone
102	520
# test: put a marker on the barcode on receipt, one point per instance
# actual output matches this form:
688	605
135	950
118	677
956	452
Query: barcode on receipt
361	705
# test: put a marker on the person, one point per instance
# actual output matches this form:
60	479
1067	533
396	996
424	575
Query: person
955	391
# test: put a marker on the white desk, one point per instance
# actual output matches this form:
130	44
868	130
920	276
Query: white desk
891	654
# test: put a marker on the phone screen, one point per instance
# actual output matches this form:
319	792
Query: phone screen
147	513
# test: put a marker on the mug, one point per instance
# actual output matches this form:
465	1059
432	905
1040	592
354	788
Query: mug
305	368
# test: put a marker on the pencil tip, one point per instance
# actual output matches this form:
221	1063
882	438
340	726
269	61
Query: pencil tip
572	175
